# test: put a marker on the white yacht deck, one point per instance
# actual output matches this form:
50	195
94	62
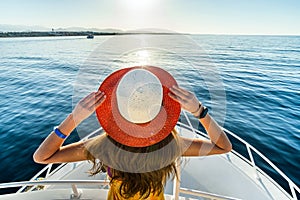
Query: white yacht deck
227	176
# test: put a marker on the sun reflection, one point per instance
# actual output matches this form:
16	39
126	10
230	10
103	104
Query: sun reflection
143	57
137	58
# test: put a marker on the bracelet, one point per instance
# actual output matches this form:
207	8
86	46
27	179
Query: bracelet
203	113
58	133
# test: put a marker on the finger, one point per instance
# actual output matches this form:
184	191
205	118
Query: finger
99	92
97	103
89	100
98	95
93	94
183	91
100	101
178	93
176	98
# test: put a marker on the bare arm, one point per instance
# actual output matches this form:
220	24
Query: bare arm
218	143
51	149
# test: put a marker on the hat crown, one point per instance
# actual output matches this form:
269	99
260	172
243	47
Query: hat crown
139	96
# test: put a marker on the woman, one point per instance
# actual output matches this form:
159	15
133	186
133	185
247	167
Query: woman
140	144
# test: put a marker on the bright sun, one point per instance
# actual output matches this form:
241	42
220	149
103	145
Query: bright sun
138	5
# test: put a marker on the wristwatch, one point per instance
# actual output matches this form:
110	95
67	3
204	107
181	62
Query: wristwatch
203	112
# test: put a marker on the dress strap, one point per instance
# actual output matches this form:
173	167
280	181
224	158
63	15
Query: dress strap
109	172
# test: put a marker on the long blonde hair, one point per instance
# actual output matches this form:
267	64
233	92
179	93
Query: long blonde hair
142	170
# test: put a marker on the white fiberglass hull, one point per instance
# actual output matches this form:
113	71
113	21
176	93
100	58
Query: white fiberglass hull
226	176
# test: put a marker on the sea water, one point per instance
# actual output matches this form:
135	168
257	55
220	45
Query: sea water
259	77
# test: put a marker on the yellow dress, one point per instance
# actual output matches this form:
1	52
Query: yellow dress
113	193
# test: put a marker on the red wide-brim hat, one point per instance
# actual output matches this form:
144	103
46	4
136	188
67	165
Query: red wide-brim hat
133	134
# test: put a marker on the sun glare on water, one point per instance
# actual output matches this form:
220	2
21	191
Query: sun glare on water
137	58
142	57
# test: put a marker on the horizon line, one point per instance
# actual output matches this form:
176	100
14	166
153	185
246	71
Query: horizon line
120	30
132	32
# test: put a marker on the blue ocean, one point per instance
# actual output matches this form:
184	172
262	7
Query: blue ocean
250	83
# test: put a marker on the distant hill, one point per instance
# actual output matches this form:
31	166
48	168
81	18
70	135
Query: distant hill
20	28
76	29
40	31
24	28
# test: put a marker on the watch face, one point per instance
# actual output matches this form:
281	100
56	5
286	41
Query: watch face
203	113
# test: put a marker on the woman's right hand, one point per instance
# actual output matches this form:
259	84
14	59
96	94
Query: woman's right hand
86	106
51	150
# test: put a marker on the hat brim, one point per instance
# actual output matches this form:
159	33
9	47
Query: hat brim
131	134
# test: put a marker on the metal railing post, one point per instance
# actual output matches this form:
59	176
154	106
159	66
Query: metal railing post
176	185
49	170
76	193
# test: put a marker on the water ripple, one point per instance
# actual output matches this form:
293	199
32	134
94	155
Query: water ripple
260	74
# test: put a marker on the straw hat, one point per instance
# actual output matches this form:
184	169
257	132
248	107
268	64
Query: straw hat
138	111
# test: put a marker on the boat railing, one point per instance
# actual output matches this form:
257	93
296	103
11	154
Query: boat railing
76	192
250	160
250	149
49	170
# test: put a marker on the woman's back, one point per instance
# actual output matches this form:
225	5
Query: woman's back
115	188
141	153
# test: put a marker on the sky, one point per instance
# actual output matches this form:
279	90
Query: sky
271	17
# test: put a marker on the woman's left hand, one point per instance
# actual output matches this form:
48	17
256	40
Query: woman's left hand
87	106
187	99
